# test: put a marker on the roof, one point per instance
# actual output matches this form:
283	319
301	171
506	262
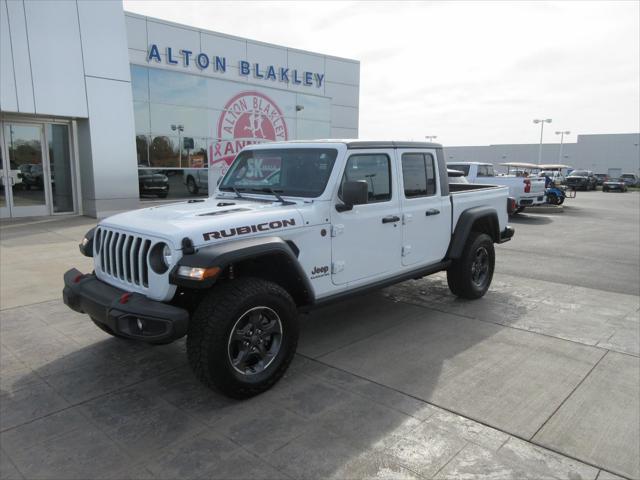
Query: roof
362	144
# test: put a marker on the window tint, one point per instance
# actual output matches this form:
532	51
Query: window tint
375	169
462	168
418	175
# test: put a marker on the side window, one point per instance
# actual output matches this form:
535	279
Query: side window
461	168
418	175
375	169
483	171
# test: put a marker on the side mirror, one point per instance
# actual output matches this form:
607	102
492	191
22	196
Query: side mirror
353	193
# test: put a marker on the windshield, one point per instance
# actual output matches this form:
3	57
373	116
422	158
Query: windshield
579	173
462	168
297	172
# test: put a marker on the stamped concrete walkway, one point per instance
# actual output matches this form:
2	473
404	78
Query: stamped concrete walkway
536	380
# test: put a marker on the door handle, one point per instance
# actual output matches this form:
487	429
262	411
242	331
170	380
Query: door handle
432	211
390	219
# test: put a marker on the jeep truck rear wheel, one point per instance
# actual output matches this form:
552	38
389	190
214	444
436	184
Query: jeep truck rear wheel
470	275
242	337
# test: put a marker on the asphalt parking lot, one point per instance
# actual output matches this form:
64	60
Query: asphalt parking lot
539	379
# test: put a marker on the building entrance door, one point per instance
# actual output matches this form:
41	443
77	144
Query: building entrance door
35	169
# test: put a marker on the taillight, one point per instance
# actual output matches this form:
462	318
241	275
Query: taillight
527	186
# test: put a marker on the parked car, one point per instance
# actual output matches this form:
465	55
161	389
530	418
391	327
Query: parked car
32	176
196	179
582	179
526	190
152	182
630	179
615	184
232	271
601	178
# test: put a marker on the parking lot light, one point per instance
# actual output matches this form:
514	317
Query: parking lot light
562	134
541	121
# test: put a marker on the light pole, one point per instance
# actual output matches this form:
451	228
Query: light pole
541	122
179	128
430	138
562	134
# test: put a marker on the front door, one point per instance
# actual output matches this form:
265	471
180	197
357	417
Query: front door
35	169
366	240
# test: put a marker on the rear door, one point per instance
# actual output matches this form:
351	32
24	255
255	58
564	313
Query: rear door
366	240
426	213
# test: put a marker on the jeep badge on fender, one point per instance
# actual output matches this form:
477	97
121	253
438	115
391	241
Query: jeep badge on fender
233	271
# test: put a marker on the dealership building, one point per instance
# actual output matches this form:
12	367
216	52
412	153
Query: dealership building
102	110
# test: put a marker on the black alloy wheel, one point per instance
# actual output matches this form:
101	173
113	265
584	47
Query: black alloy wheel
255	340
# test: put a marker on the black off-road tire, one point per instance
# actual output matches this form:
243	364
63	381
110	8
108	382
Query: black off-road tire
460	273
211	326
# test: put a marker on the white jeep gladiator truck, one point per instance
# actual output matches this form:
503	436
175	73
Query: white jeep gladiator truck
527	191
331	219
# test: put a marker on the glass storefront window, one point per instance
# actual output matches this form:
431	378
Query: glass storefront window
177	88
60	166
179	117
140	83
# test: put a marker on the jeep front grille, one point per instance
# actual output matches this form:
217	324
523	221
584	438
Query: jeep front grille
122	256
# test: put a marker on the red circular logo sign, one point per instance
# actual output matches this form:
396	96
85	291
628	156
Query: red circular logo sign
248	118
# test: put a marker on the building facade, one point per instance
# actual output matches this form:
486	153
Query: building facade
598	153
103	109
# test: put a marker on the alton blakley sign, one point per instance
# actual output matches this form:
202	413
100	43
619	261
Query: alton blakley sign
218	64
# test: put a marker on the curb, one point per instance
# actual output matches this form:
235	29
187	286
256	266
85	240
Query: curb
545	209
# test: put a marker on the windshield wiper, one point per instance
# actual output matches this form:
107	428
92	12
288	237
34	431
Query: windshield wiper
274	193
234	189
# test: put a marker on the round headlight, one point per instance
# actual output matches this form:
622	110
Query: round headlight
166	255
160	258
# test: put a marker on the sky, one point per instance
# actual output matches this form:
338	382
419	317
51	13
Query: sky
471	73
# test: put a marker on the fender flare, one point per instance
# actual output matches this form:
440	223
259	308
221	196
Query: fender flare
464	228
228	253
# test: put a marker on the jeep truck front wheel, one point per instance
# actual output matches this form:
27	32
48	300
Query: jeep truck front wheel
242	337
470	275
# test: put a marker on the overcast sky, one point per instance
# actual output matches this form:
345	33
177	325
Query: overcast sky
471	73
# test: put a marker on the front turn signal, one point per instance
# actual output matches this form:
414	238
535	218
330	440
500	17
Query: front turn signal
197	273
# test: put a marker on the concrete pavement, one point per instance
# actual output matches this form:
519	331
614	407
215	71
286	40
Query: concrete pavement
539	379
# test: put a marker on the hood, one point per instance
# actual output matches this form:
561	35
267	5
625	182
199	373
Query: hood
153	176
209	221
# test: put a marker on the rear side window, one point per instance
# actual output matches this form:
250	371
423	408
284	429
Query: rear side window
485	171
418	175
373	168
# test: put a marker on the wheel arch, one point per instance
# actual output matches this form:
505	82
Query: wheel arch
268	258
476	219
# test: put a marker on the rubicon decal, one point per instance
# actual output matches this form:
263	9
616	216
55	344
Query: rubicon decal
260	227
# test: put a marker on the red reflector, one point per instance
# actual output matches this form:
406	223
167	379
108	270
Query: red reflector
527	186
77	278
124	298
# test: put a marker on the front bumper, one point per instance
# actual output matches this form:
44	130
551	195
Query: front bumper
129	315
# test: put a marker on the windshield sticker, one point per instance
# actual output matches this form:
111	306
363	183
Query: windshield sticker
260	227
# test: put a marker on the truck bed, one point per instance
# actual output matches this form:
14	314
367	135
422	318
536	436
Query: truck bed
465	196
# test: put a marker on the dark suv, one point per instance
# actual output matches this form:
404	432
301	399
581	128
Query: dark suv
601	178
581	179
